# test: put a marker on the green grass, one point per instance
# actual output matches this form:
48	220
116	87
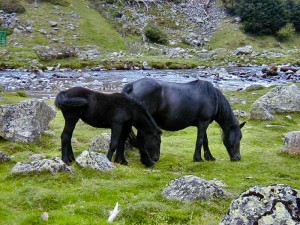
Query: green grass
88	196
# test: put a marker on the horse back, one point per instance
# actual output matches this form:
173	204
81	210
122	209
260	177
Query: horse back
175	106
94	108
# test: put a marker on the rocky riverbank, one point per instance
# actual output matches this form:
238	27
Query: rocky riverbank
45	84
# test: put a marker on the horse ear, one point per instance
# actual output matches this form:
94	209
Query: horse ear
242	124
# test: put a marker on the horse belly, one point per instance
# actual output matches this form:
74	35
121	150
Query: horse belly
96	120
173	122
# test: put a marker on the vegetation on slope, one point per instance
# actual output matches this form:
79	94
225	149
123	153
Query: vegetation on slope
96	32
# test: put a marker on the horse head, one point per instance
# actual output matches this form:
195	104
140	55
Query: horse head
150	142
231	139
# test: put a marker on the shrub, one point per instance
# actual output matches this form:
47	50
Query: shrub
155	34
12	6
286	32
22	93
262	16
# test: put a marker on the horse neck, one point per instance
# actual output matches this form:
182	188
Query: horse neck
224	116
143	121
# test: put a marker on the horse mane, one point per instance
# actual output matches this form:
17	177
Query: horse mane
223	115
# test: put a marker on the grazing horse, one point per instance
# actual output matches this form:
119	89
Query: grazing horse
175	106
115	111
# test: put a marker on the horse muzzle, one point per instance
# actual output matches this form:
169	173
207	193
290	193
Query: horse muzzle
235	158
155	158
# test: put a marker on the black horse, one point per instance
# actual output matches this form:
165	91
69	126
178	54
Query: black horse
115	111
176	106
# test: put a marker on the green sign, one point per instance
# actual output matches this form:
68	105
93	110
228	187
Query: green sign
3	38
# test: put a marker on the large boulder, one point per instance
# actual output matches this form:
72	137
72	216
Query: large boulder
94	160
53	166
291	143
267	205
25	121
190	188
281	99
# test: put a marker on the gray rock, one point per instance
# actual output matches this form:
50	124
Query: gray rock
54	166
96	161
25	121
190	188
253	87
247	50
281	99
291	143
53	23
240	113
266	205
4	157
100	143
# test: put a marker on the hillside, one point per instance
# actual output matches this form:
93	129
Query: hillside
111	35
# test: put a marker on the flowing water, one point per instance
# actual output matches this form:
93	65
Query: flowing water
47	84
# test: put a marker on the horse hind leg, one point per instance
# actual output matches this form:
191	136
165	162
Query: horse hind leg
66	136
207	154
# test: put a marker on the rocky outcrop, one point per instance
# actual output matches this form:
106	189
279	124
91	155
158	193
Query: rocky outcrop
291	143
190	188
25	121
267	205
53	166
281	99
96	161
49	53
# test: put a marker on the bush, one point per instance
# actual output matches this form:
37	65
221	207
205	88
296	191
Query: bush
155	34
286	32
12	6
262	16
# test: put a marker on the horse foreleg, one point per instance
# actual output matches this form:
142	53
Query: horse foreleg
207	154
145	158
120	154
201	131
116	143
66	136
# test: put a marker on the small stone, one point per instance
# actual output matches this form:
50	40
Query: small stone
45	216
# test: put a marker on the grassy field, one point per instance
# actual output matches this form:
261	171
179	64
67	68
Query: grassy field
88	196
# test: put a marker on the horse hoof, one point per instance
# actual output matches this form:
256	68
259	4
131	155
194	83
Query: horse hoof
67	162
125	163
211	159
198	160
71	159
150	165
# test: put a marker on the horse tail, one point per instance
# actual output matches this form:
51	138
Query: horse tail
62	101
127	89
132	139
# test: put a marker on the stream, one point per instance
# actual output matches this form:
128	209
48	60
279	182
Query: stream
46	84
